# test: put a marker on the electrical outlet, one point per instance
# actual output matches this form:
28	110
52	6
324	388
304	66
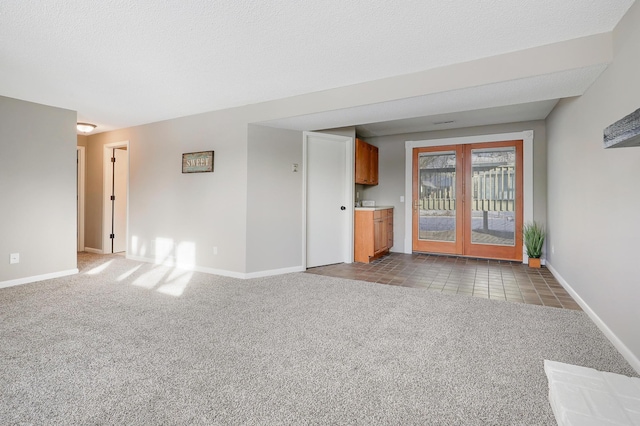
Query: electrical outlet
14	258
294	168
215	250
553	249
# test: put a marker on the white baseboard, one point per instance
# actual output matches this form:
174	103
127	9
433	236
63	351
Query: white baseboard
222	272
273	272
35	278
92	250
609	334
173	264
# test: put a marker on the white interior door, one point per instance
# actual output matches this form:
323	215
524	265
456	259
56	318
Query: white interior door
78	243
121	168
80	169
329	199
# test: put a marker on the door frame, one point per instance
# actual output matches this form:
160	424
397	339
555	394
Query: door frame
527	175
106	194
349	183
444	247
80	188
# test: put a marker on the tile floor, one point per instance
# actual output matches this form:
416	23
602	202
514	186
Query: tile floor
489	279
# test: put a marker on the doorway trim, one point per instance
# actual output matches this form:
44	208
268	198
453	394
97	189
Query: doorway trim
527	178
106	194
349	192
81	176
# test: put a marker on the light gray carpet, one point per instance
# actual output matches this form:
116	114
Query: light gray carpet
299	348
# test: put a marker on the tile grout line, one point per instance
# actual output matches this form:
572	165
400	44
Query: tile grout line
457	275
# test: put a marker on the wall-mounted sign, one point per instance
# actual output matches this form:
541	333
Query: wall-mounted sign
624	132
197	162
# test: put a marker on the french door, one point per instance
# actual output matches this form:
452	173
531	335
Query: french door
467	200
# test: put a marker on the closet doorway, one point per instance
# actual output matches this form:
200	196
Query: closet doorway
116	197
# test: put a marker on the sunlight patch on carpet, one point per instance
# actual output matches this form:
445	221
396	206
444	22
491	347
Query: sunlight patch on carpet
99	268
127	274
150	279
176	283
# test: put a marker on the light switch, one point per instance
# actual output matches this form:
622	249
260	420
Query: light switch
402	198
14	258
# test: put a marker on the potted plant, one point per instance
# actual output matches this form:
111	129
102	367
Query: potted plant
533	234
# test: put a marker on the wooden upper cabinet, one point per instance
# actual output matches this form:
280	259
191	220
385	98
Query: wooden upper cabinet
366	163
373	165
362	168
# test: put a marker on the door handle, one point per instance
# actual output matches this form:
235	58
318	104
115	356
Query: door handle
343	208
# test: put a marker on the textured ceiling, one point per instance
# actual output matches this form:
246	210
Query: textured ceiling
122	62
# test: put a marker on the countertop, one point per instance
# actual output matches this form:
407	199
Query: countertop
371	209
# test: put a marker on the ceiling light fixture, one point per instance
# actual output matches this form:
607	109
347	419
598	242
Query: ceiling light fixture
85	127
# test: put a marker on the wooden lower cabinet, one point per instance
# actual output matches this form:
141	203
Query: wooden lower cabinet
373	234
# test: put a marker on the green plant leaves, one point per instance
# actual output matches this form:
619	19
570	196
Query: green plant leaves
533	234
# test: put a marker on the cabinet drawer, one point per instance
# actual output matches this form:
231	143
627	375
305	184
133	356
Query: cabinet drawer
383	214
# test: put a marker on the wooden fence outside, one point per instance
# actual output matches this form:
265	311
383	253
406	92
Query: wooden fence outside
491	190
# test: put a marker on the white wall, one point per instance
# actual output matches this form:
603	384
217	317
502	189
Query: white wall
594	195
37	190
392	169
349	132
274	199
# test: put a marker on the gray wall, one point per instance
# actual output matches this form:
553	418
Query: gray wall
37	189
594	197
208	211
392	169
274	199
193	213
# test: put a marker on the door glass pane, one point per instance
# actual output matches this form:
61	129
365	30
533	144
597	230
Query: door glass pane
493	196
437	196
